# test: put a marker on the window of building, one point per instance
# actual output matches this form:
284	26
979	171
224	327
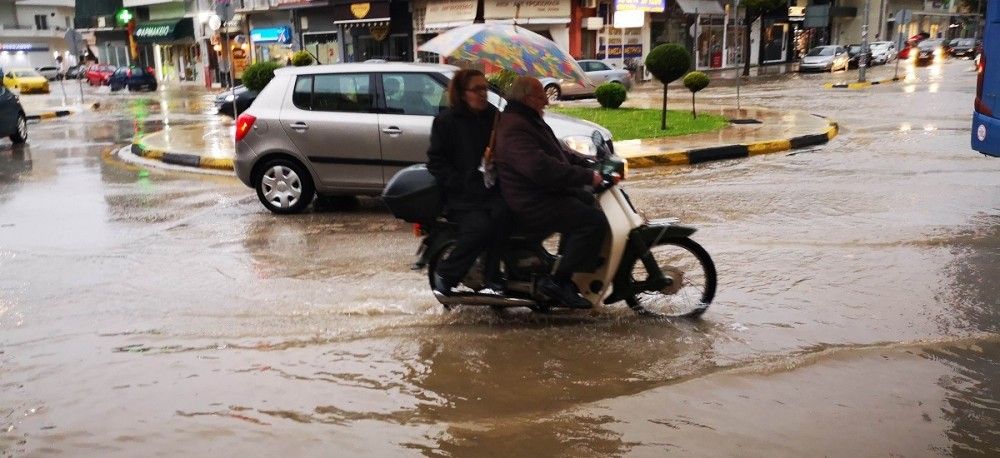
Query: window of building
41	22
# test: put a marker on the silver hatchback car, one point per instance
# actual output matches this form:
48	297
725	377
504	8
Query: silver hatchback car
345	129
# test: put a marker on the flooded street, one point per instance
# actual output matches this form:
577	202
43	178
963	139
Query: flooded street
857	314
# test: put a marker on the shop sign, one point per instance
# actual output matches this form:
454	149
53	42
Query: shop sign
615	51
629	19
154	31
529	9
240	61
279	34
26	47
449	11
653	6
360	10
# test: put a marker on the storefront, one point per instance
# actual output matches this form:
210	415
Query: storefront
374	30
320	36
272	44
169	47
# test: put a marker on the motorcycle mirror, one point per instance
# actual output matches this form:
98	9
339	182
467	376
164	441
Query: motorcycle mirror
601	147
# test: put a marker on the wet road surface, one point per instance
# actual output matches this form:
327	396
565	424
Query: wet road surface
857	311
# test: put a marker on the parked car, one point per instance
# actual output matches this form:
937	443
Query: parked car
928	51
825	58
964	47
854	53
25	80
224	101
50	73
76	72
599	73
133	77
345	129
13	122
99	74
883	52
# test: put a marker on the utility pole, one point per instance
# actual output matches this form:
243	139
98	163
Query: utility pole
863	60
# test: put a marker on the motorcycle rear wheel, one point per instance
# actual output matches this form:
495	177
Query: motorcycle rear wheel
675	278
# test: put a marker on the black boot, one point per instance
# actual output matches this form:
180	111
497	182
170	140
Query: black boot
441	286
562	291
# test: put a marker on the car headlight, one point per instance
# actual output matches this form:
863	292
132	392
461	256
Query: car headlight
581	144
229	98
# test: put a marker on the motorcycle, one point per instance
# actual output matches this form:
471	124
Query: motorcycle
652	265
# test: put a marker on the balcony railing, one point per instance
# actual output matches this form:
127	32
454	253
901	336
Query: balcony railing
29	31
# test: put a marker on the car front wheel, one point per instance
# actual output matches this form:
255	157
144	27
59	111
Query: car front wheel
284	186
20	134
552	92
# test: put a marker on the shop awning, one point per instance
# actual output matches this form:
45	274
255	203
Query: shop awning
702	7
164	31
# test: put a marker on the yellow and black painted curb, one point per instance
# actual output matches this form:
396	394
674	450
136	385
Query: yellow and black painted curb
188	160
48	115
716	153
864	85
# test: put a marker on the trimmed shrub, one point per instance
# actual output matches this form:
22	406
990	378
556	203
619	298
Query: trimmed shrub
610	95
502	80
668	62
302	59
695	81
258	74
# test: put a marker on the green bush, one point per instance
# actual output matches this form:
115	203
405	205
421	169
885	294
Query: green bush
610	95
258	74
695	81
667	62
502	80
302	58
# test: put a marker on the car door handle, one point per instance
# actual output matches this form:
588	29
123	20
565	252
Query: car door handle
392	130
299	126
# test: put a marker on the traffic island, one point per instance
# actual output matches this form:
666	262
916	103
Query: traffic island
863	85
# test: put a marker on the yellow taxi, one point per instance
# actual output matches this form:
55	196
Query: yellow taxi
25	80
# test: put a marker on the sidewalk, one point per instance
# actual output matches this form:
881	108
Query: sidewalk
211	146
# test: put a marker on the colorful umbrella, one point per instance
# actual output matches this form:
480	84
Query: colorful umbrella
509	47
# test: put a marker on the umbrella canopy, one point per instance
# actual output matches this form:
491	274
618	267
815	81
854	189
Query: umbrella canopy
507	46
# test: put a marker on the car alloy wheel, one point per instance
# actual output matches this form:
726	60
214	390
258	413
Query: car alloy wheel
21	135
552	92
284	186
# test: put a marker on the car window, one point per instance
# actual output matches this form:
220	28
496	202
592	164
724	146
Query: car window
588	67
119	72
348	92
302	95
413	94
822	51
25	73
138	71
599	66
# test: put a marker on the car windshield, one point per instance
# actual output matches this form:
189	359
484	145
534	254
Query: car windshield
853	49
966	42
821	51
25	73
929	44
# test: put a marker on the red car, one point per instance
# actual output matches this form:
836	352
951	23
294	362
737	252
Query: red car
99	74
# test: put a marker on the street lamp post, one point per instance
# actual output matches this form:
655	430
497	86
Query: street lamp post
863	59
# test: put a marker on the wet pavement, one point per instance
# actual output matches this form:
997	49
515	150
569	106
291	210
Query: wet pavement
168	313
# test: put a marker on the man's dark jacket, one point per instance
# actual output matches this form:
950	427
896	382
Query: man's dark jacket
458	140
535	169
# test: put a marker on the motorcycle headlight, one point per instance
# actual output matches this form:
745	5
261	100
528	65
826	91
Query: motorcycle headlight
581	144
229	98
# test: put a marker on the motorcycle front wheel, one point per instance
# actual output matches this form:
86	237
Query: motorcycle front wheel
675	278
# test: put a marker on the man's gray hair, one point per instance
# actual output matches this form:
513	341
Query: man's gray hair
521	88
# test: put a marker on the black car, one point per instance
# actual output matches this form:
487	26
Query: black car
244	97
929	51
964	47
134	78
75	72
13	122
855	52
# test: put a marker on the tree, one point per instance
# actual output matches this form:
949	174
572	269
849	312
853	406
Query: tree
257	75
668	62
754	9
610	95
695	81
302	58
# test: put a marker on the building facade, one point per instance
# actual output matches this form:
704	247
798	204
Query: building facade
32	32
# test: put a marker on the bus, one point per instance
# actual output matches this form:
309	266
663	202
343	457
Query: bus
986	117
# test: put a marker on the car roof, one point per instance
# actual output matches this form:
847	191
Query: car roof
367	67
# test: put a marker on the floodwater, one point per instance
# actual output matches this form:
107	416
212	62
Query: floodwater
168	313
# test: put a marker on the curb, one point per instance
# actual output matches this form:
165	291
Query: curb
188	160
861	85
48	115
716	153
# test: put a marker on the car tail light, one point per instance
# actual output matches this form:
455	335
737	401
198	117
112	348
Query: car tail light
150	71
243	125
981	74
418	230
128	73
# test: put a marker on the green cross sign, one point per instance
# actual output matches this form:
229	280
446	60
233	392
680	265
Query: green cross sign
123	16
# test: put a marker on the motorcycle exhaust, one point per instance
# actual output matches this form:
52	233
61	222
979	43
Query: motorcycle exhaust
480	299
